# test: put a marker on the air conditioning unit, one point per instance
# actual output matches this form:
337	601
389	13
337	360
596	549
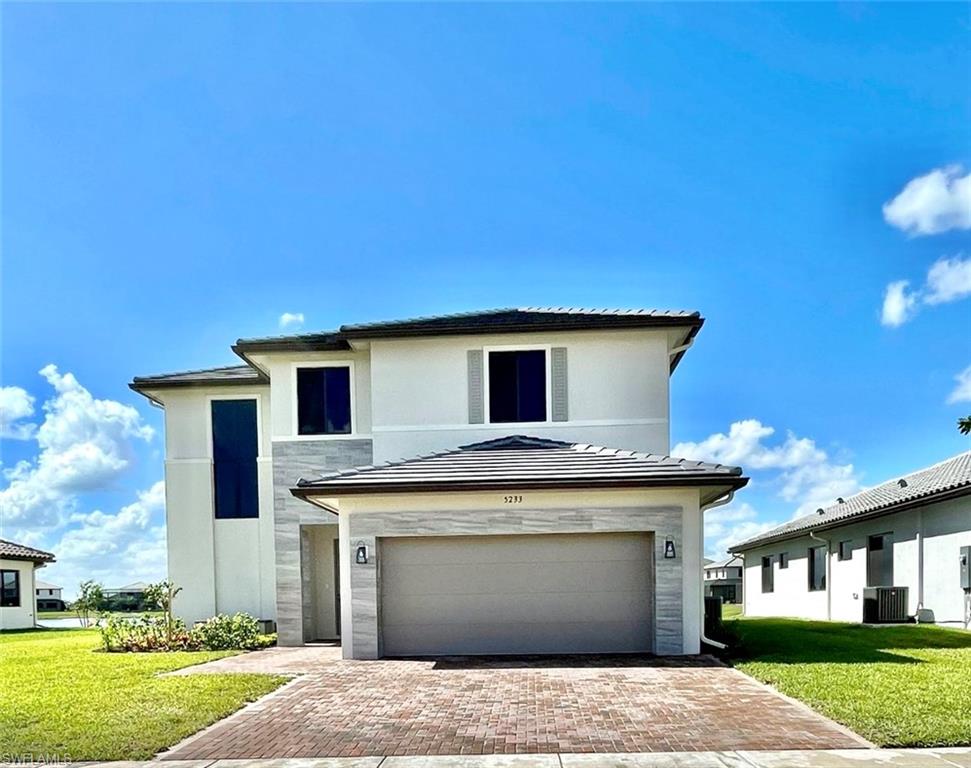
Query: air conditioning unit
885	605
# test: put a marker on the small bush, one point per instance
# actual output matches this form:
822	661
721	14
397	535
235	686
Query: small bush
154	633
223	633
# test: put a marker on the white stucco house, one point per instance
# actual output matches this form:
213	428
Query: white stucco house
489	482
48	596
723	578
905	543
18	564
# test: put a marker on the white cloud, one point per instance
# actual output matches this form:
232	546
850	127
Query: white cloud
948	280
933	203
899	305
114	549
16	404
962	392
798	470
84	443
725	526
291	319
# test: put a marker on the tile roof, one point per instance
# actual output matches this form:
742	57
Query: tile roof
38	584
519	461
952	476
11	551
732	562
230	374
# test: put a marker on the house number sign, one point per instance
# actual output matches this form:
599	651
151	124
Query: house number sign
512	499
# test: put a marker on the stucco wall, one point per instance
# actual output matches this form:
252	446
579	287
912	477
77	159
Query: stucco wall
22	616
669	513
946	527
617	392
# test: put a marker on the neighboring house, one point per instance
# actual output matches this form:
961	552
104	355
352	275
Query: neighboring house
912	532
129	597
724	579
17	566
510	531
48	596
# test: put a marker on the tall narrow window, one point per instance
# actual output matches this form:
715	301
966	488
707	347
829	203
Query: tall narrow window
235	445
768	577
846	550
879	560
817	569
324	401
517	386
10	589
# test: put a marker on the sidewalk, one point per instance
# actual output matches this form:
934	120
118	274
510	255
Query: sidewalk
956	757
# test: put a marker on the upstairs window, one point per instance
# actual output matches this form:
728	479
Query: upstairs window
817	569
517	386
10	589
846	550
235	445
768	577
324	400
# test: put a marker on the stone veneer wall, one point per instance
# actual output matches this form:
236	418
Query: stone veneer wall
664	522
293	459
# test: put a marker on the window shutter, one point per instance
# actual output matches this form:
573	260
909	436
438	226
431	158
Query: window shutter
560	405
476	395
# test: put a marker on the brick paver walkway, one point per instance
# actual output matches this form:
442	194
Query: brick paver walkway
486	706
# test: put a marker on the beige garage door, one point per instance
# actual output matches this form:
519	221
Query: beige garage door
569	593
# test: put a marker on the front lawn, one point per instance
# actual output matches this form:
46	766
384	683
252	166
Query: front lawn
61	698
47	615
898	686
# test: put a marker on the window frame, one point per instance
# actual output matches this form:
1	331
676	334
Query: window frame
17	583
771	571
295	405
548	373
260	456
811	568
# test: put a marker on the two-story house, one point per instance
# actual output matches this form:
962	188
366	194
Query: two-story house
489	482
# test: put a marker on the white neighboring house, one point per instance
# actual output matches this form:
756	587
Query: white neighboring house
17	566
510	530
912	532
724	579
48	596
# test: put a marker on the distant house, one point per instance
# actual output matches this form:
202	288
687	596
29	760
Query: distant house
724	579
898	550
17	566
48	596
130	597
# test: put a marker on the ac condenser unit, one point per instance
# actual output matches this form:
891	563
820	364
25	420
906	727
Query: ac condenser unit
885	605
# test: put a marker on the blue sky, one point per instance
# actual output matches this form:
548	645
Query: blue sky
177	176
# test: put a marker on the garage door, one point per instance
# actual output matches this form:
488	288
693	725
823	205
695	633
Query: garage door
570	593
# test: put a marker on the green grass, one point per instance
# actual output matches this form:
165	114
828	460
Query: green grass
731	611
898	686
41	615
60	697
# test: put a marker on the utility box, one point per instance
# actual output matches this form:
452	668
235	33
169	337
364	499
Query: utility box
966	569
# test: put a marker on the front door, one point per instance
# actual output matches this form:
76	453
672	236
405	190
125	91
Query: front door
337	586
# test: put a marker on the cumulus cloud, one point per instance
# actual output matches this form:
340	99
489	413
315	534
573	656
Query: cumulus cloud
16	404
899	304
962	392
114	549
85	443
800	472
936	202
948	279
291	319
725	526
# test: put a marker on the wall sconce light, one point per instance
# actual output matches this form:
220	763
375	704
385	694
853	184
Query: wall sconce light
669	551
360	556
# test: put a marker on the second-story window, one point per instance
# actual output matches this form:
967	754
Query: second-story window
324	401
517	386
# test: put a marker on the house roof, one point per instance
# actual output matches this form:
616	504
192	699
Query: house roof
521	462
10	550
202	377
38	584
135	586
732	562
947	479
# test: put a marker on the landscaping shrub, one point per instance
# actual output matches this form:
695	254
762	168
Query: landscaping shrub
224	633
157	633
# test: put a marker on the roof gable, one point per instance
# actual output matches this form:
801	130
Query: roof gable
10	550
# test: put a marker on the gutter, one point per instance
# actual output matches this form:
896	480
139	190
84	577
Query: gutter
719	503
829	580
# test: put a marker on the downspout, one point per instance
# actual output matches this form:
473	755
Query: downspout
829	579
920	562
719	503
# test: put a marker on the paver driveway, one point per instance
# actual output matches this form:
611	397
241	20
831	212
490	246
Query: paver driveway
459	706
